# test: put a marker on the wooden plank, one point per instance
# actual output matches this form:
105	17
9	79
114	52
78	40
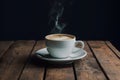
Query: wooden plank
60	73
34	70
88	68
12	63
4	45
107	59
113	48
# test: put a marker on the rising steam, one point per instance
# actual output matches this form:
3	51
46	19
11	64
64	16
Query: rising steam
56	17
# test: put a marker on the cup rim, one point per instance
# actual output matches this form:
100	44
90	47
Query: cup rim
73	37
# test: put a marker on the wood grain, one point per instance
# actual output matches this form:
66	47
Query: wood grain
59	73
4	45
88	68
12	63
107	59
113	49
34	70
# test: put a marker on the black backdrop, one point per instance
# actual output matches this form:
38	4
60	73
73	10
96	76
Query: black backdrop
87	19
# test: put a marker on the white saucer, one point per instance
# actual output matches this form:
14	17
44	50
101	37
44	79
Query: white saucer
76	55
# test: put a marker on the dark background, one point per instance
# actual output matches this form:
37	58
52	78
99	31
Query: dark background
87	19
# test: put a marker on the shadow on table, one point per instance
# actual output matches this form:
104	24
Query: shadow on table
41	63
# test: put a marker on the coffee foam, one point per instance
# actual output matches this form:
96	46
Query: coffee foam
60	37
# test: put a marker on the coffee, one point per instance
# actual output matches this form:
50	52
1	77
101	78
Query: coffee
60	37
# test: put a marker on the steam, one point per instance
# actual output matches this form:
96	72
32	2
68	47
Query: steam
56	17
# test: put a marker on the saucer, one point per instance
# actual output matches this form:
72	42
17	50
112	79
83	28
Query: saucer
77	54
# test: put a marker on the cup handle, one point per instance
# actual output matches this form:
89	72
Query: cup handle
80	42
75	52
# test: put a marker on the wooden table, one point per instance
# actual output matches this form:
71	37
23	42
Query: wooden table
18	63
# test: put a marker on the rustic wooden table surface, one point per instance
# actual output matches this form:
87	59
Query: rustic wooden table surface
17	62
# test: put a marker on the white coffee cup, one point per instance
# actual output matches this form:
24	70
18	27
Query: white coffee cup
61	45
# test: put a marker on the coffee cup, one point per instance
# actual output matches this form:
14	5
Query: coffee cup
61	45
